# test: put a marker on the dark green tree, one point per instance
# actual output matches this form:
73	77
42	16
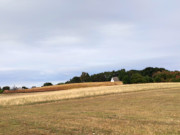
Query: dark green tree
98	77
1	90
149	79
85	77
121	74
138	78
126	79
75	80
150	71
24	87
47	84
157	79
6	88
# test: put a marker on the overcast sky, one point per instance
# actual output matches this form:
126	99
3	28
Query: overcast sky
53	40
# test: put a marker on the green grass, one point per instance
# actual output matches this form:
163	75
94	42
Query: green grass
154	112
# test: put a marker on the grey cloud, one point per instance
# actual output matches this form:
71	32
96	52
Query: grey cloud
55	40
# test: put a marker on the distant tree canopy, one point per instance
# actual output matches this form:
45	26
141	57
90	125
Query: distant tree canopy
47	84
167	76
85	77
137	78
75	80
98	77
24	87
147	75
6	88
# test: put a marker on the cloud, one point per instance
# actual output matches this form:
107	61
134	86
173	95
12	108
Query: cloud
117	29
55	40
61	40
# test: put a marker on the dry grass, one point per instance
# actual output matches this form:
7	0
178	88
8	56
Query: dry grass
65	87
149	112
29	98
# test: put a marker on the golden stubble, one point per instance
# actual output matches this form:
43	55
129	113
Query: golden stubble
29	98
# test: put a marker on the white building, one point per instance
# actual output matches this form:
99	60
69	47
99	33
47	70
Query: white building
114	79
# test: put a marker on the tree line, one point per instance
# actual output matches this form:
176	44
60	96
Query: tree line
147	75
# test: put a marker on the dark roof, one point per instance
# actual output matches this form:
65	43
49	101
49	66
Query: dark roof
115	78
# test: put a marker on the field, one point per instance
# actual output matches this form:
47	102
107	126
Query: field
39	97
65	87
143	109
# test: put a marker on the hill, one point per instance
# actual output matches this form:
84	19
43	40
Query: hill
147	75
29	98
153	110
64	87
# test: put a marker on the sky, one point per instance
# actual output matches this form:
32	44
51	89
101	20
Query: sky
54	40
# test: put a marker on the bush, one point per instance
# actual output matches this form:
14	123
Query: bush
138	78
126	79
24	87
75	80
85	77
6	88
47	84
1	90
122	74
157	79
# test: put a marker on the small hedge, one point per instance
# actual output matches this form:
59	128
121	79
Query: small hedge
1	91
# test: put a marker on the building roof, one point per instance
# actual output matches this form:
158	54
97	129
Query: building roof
115	78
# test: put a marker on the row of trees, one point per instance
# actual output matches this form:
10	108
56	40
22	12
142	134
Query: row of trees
4	88
21	88
147	75
9	88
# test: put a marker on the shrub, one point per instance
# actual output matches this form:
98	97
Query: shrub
75	80
138	78
1	90
47	84
6	88
85	77
24	87
126	79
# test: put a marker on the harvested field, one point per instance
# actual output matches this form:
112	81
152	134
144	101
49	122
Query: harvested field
29	98
152	111
65	87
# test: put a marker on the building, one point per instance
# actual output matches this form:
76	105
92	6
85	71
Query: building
114	79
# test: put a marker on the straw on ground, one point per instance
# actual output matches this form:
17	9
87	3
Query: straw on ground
28	98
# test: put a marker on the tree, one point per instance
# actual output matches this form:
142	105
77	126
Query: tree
98	77
126	79
108	75
85	77
121	73
138	78
6	88
24	87
150	71
148	79
47	84
157	79
146	75
1	90
75	80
